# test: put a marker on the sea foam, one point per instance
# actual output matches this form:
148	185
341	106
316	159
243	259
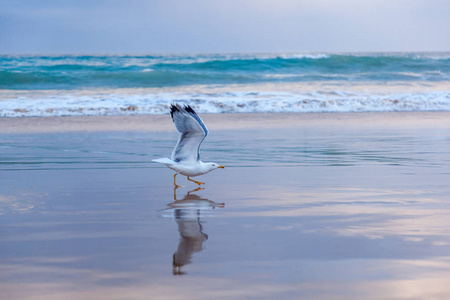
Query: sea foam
77	85
235	102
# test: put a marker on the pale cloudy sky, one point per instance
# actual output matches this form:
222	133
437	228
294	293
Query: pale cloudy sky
180	26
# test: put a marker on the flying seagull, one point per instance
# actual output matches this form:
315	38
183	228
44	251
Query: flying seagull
185	158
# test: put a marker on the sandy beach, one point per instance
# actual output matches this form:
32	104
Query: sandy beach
227	121
329	145
309	206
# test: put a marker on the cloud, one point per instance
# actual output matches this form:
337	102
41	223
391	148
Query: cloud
222	26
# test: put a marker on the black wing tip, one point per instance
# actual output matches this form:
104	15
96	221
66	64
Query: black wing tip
189	109
174	107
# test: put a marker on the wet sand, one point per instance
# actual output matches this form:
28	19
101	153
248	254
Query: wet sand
225	121
310	206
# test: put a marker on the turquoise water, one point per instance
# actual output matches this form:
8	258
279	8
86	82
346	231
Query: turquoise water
72	72
218	83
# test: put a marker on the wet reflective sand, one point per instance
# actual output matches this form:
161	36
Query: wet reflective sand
331	211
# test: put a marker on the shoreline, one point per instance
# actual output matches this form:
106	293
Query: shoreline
423	119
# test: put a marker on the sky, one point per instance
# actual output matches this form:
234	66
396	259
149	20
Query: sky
210	26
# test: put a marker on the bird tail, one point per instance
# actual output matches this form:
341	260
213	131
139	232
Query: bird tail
164	160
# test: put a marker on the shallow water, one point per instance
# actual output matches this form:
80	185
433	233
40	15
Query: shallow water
314	213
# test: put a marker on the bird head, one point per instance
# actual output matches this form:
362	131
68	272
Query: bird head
213	166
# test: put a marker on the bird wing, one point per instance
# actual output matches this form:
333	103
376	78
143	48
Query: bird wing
192	133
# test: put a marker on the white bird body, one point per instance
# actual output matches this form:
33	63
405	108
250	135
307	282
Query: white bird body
185	159
190	169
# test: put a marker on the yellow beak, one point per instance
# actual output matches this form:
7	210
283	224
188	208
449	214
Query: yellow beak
221	167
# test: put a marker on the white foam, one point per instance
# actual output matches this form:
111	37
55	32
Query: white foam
301	56
141	102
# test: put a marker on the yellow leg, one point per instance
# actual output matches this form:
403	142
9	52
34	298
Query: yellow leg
197	182
174	182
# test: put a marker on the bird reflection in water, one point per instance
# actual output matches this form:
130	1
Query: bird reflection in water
187	213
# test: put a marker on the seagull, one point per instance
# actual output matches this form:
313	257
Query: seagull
185	159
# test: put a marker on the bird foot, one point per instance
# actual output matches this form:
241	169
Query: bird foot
197	182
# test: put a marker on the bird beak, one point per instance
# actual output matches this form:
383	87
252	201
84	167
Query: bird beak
221	167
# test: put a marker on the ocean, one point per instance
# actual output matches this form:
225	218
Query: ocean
77	85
